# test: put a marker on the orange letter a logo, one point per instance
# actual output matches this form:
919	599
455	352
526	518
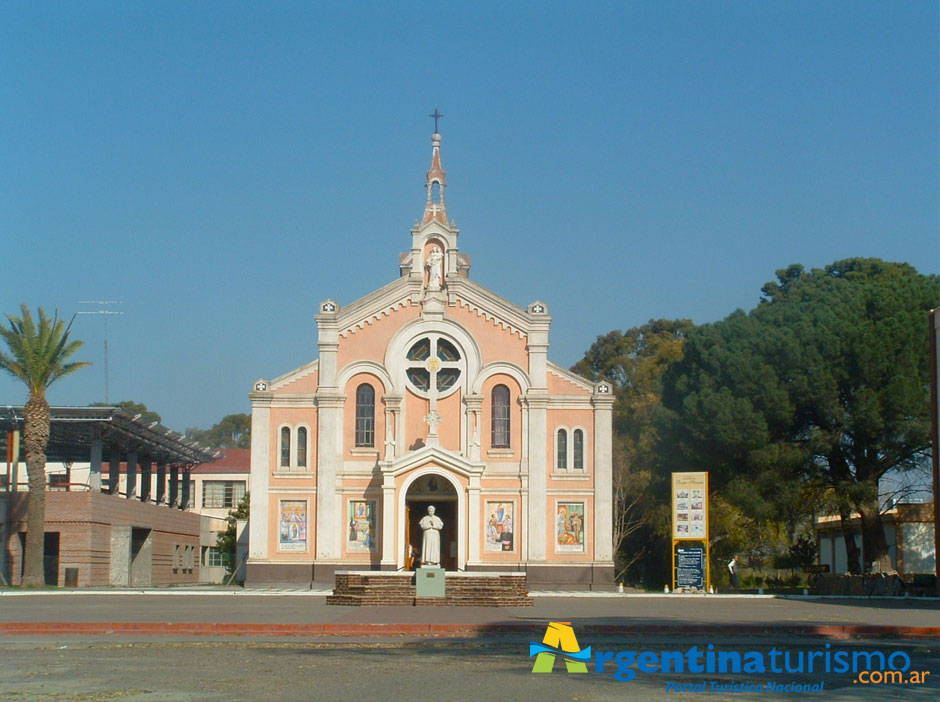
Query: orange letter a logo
559	638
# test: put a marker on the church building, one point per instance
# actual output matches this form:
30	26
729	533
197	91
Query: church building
432	390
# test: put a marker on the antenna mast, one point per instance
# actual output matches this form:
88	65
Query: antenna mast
102	304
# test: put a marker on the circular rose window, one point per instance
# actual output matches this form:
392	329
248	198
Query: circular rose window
433	366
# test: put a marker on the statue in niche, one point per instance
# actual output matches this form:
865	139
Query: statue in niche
435	268
431	543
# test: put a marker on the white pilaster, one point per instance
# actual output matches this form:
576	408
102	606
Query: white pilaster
603	402
537	523
474	520
389	557
259	478
330	401
536	401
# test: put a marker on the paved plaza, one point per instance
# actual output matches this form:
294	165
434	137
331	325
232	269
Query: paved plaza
628	612
385	653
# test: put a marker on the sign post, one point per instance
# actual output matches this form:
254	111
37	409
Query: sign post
690	523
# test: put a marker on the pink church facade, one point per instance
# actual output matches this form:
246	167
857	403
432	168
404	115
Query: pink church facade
432	390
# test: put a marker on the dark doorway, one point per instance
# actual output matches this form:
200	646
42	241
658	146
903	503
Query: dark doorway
50	557
415	509
141	557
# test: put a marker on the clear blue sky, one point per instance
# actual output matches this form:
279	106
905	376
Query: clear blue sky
222	166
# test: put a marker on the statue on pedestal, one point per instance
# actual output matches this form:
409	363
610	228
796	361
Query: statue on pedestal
431	543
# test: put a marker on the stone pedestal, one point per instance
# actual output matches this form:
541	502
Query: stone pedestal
429	582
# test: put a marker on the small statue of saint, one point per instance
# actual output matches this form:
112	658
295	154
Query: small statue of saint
431	543
434	266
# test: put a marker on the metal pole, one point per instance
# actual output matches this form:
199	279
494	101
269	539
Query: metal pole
106	313
935	436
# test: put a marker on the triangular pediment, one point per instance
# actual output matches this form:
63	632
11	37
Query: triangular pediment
448	460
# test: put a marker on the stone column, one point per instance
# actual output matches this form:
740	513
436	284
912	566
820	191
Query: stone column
146	477
174	485
392	438
474	520
329	462
536	400
330	402
261	467
474	432
161	482
132	474
389	556
114	469
184	490
603	401
94	472
537	523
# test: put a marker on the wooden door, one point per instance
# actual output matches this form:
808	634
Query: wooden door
408	559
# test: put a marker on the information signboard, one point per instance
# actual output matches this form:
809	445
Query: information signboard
690	506
690	567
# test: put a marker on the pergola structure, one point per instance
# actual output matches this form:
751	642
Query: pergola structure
88	434
94	537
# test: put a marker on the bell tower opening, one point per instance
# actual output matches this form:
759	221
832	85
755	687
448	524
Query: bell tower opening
437	491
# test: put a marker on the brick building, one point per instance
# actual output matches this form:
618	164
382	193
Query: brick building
128	529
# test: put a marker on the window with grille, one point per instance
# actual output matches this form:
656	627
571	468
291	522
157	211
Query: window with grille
561	452
285	447
216	558
365	415
578	449
222	493
302	447
500	417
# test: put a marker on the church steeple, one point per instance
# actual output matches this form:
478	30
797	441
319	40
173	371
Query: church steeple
435	209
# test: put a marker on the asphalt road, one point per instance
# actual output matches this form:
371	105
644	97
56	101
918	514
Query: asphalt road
651	611
391	670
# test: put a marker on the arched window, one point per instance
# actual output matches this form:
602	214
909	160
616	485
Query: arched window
302	447
285	447
365	415
499	429
578	449
561	450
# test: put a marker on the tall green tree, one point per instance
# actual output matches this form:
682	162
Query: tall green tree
232	431
37	356
635	361
824	385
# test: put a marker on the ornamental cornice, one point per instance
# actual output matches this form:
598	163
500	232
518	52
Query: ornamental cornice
489	305
300	399
366	310
295	374
570	402
603	402
327	398
570	377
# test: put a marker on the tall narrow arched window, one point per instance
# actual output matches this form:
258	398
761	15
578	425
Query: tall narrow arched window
285	447
365	415
302	447
499	425
561	450
578	449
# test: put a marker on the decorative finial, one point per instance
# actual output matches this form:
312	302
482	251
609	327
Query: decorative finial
436	116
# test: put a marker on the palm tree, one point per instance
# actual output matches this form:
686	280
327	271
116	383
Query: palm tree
37	357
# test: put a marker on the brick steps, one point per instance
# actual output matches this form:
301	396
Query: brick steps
366	589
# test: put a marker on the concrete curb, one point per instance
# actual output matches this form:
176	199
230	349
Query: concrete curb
830	631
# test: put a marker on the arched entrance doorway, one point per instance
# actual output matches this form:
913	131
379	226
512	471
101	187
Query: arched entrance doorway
432	489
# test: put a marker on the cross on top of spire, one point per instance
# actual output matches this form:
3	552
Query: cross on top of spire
435	209
436	116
